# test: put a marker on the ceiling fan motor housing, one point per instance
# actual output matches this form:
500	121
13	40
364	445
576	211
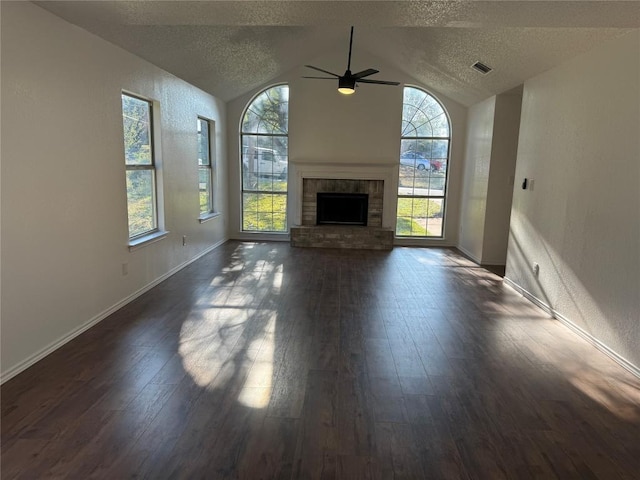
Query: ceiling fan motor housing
347	81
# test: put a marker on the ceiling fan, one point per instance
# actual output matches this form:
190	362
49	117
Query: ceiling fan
347	82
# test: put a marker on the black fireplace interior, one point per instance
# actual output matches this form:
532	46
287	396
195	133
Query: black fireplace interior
342	208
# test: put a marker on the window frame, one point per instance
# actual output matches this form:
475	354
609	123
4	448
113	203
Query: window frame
210	168
257	191
429	197
141	237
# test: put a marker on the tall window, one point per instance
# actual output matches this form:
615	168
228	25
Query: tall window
137	119
264	141
205	168
424	155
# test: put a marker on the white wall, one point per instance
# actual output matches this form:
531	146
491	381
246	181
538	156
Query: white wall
328	129
477	162
64	212
489	164
506	125
579	141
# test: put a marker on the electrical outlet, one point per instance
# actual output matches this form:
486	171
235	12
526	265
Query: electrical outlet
535	268
184	240
125	269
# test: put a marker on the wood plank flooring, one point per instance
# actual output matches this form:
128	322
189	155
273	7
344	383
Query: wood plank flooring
262	361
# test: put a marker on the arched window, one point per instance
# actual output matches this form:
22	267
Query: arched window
264	161
424	156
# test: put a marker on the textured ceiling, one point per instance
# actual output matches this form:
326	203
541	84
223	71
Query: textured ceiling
228	48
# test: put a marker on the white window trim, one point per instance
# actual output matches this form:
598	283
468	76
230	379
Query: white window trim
273	234
145	240
209	216
213	178
159	232
410	239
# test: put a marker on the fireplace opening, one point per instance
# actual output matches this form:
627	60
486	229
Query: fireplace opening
342	208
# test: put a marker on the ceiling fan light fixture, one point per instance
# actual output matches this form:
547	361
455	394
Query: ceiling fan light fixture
346	86
346	90
347	82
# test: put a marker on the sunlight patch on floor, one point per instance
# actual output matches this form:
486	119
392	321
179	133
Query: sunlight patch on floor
217	350
256	391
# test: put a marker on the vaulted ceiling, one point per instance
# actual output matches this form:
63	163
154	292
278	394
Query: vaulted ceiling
228	48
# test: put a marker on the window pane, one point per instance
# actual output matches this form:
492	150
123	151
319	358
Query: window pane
136	119
265	158
258	211
440	125
279	222
141	202
423	127
269	112
406	226
265	221
434	219
204	148
249	180
419	217
422	115
204	183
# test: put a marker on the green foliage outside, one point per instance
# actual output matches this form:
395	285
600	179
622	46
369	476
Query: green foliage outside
204	179
264	212
204	202
140	202
407	227
413	214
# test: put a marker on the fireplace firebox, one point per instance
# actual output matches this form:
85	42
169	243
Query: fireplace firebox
342	208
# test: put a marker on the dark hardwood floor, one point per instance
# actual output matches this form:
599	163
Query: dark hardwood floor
262	361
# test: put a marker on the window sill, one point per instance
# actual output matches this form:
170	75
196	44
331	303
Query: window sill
209	216
147	240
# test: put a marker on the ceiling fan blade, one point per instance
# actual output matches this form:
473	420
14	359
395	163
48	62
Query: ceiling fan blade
379	82
321	70
322	78
365	73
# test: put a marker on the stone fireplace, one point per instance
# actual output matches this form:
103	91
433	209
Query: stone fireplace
342	233
312	186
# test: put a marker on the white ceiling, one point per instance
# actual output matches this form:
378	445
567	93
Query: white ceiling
228	48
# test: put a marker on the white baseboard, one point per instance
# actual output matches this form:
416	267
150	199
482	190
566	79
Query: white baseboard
575	328
468	254
415	242
31	360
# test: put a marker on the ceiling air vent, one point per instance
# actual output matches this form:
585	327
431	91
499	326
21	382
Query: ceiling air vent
482	68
